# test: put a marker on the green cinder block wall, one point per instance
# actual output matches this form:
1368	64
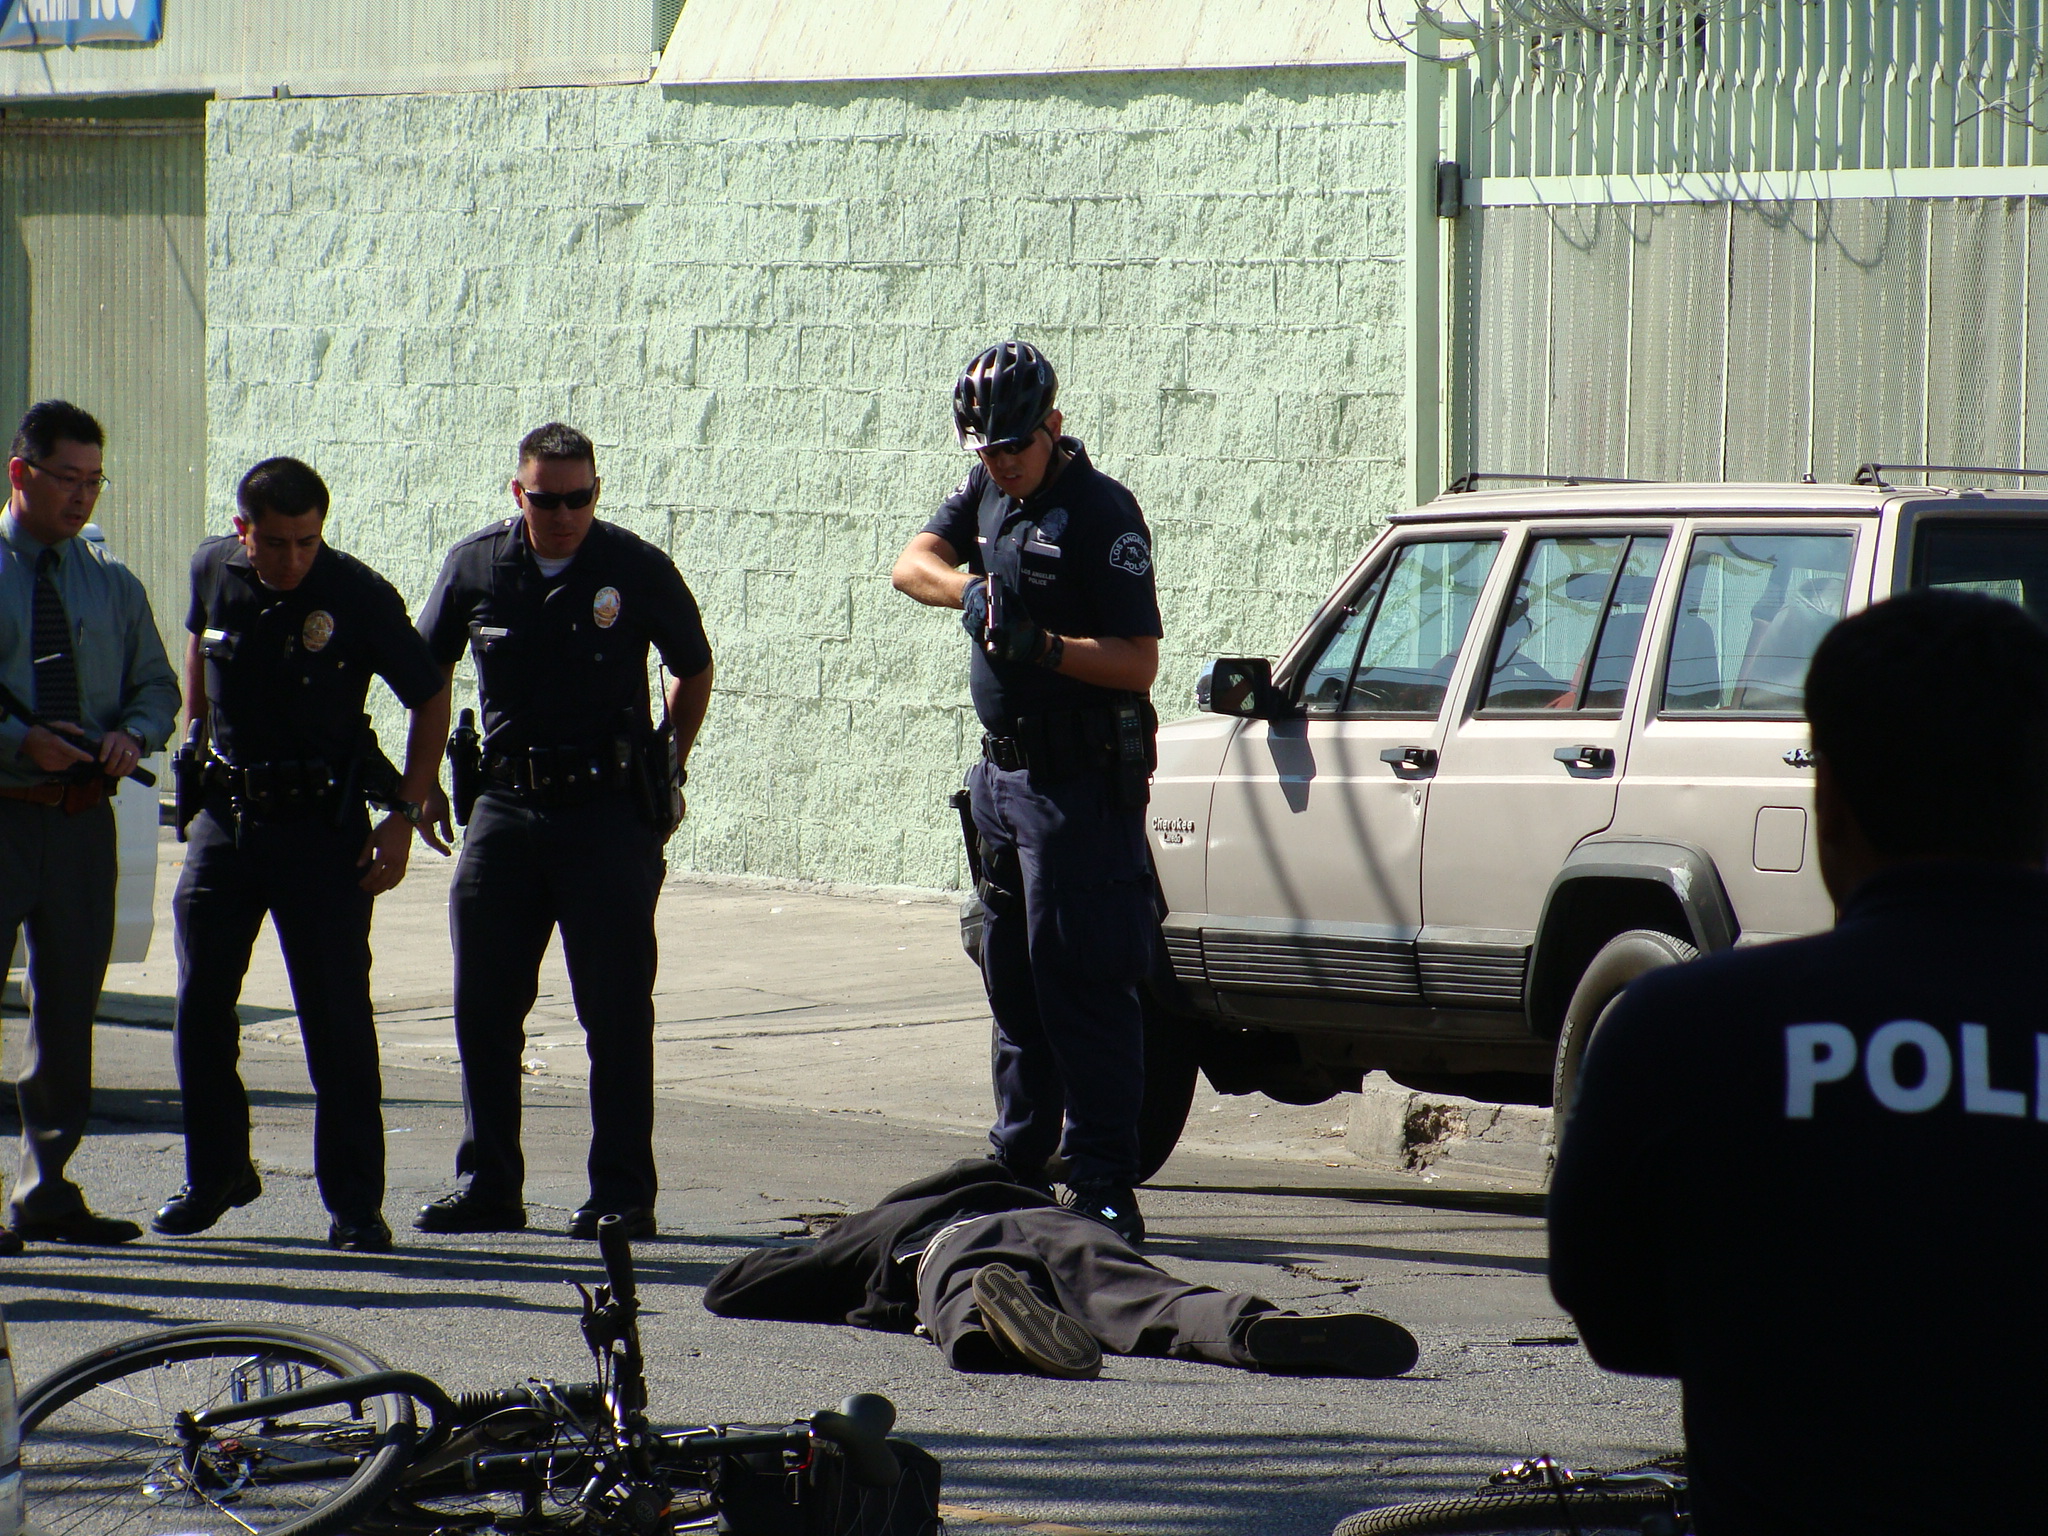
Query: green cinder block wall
756	301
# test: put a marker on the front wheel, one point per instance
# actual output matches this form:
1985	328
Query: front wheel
1620	961
103	1452
1516	1509
1170	1072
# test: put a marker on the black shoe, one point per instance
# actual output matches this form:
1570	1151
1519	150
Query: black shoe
1114	1205
464	1212
1029	1178
81	1226
10	1244
1043	1337
193	1210
1331	1344
368	1234
635	1222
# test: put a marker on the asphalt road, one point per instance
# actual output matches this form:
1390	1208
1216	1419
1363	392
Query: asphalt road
1153	1447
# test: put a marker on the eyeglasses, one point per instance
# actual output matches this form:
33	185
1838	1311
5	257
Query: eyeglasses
92	485
548	501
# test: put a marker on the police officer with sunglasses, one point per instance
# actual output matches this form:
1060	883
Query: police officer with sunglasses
1057	599
576	793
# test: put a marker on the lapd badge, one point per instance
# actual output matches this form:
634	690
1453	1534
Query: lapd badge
1130	554
1052	525
605	607
318	630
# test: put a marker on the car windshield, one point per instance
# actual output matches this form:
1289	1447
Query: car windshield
2003	559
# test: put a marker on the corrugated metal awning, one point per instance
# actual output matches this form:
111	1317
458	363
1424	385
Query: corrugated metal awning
732	41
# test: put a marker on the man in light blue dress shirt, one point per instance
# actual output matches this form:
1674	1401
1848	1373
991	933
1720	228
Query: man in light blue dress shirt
80	653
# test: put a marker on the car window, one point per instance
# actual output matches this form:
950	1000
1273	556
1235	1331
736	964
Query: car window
1393	649
1569	638
2004	559
1751	611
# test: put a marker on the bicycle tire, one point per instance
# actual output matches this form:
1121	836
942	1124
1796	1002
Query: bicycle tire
1512	1509
100	1455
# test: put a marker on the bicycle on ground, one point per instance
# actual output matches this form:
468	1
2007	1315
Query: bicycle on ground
230	1430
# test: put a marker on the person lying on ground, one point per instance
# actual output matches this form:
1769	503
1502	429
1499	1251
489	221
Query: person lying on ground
1002	1277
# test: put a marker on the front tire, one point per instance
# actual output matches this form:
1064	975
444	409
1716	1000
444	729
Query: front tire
102	1454
1620	961
1170	1071
1514	1509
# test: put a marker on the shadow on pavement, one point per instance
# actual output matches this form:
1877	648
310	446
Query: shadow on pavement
303	1272
1323	1250
1204	1485
1492	1202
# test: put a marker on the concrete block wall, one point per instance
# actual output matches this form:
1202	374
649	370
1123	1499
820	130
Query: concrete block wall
756	301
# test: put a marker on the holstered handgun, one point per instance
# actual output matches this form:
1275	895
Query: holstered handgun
188	777
655	778
370	776
465	766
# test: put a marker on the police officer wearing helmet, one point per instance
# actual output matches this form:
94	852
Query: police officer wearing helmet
1058	600
578	793
286	633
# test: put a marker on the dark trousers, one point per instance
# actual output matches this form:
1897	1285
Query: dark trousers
303	873
594	871
1079	1266
57	876
1068	935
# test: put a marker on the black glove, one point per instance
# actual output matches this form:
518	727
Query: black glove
1015	637
974	609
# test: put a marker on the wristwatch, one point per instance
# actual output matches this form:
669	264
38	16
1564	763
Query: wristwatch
411	810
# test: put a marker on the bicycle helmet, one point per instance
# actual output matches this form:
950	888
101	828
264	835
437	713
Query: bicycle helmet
1004	396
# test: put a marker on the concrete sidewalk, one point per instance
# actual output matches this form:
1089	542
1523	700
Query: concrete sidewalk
842	1002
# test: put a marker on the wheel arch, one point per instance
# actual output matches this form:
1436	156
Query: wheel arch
1608	886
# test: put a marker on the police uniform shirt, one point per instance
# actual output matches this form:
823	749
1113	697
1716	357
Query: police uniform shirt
561	661
1810	1179
287	673
1078	553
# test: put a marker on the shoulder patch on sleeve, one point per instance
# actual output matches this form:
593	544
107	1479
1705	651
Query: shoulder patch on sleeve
1130	553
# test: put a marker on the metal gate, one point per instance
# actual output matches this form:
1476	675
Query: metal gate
102	302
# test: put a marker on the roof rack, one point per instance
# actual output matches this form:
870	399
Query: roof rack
1469	481
1873	473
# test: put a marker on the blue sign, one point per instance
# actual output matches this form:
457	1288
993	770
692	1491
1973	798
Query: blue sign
67	23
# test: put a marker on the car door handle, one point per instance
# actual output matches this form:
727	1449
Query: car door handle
1799	757
1414	759
1595	759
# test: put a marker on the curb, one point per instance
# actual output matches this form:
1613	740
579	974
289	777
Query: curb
963	1516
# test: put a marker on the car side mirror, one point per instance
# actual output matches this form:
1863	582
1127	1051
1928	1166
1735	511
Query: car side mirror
1241	686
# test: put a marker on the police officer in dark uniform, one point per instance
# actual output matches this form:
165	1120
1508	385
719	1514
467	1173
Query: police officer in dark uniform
1058	600
1807	1178
578	794
279	761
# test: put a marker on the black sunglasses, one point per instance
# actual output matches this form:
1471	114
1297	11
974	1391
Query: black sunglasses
547	501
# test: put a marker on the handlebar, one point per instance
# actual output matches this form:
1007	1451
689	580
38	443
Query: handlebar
617	1253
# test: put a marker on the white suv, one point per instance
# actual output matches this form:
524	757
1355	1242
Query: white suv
1533	744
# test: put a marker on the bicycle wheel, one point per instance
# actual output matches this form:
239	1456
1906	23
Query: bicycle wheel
101	1452
1578	1510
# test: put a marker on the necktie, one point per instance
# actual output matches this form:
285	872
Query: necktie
50	644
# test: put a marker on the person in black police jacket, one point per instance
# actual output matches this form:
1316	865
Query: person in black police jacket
286	633
1001	1278
1810	1179
1058	601
558	610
